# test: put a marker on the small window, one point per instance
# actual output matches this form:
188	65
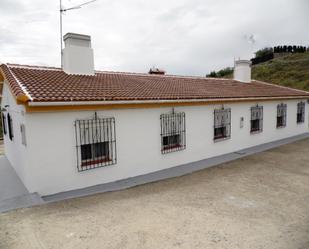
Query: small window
96	143
222	124
171	141
220	132
173	132
300	112
96	152
10	126
281	115
256	119
4	129
23	134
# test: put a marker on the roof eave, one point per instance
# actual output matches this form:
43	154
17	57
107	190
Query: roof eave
124	102
21	98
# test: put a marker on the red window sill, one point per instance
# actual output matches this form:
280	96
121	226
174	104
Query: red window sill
220	137
255	130
93	162
172	147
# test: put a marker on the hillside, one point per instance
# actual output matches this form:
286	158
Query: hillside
291	70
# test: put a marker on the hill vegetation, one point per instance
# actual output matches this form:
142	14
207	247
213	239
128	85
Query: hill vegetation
289	69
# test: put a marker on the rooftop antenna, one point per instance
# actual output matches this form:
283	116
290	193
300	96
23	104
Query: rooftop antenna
63	10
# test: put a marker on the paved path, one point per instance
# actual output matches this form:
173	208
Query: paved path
13	193
10	184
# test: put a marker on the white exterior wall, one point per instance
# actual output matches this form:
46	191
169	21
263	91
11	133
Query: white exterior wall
52	162
14	150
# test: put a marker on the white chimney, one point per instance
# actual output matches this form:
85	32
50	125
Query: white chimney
78	54
242	71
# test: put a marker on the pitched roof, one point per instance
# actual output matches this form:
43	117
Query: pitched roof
49	84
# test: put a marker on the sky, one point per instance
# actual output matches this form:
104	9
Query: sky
186	37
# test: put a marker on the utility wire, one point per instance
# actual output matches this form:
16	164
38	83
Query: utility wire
61	11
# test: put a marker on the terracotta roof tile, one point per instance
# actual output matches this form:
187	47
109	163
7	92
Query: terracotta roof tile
52	84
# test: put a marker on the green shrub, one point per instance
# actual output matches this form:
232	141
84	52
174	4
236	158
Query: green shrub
221	73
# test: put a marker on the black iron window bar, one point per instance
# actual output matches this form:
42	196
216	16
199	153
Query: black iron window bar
256	119
10	126
4	129
95	143
301	112
281	115
222	124
173	132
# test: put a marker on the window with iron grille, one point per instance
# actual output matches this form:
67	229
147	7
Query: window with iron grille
222	124
95	143
256	119
10	127
173	132
281	115
301	112
4	124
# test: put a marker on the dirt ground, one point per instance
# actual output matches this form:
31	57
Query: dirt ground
1	147
261	201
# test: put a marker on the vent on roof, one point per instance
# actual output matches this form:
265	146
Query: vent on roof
156	71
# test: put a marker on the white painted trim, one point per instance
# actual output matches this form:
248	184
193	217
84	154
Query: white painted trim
47	68
20	85
121	102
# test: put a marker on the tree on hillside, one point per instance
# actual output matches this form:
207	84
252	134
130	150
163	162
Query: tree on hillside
264	52
212	74
221	73
263	55
290	49
285	48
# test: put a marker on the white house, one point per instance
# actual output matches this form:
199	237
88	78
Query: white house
75	127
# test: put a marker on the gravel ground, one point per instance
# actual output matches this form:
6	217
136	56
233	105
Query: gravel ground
261	201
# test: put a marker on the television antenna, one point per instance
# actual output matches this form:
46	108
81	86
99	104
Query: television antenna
63	10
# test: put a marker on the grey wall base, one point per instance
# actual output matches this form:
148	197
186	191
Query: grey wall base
10	184
23	201
13	193
171	172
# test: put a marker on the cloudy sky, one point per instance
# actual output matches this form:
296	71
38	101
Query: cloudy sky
188	37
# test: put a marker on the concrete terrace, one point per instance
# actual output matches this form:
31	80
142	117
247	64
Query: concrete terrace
257	201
